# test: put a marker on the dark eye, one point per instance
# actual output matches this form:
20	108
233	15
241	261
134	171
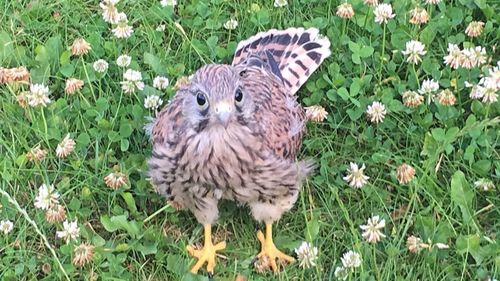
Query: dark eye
238	96
201	99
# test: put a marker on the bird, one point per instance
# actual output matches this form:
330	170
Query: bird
233	131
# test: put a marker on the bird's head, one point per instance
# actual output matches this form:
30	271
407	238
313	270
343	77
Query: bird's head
215	98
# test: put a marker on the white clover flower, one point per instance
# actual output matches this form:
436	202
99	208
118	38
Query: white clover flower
65	147
351	260
341	273
429	86
414	49
6	226
432	2
22	98
101	66
488	81
131	86
446	97
345	11
371	231
128	87
405	173
80	47
490	92
16	74
307	255
383	13
231	24
123	60
476	92
132	81
139	85
47	197
165	3
493	76
70	231
122	29
115	180
160	82
316	113
419	16
468	58
478	55
73	85
56	213
109	11
474	29
38	95
83	254
455	56
132	75
355	176
412	99
414	244
152	102
280	3
376	112
36	154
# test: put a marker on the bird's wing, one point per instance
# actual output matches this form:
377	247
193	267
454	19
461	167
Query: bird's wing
279	117
168	123
277	64
296	52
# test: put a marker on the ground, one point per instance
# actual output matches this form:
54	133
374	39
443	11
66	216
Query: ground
136	235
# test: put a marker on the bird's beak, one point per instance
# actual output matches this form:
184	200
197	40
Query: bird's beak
223	111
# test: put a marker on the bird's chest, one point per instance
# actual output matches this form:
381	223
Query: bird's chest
221	160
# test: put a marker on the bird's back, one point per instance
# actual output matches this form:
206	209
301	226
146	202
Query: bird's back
277	63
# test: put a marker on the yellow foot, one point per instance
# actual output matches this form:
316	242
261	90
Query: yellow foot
269	253
207	254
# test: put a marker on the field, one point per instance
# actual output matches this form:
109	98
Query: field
438	114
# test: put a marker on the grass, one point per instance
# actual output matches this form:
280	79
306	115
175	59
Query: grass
450	147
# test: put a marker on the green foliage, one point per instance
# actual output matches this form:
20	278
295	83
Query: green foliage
462	195
138	236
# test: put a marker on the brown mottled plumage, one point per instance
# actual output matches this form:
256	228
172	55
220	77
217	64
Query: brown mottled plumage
233	131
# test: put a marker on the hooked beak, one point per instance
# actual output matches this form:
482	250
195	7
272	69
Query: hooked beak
223	111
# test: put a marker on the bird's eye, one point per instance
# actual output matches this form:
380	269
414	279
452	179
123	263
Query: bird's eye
238	96
201	99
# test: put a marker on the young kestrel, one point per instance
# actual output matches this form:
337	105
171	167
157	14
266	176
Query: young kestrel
233	132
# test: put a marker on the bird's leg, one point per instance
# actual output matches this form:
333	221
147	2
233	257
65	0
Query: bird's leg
269	252
207	254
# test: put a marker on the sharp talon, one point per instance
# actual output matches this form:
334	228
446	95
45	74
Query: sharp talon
220	246
274	267
210	275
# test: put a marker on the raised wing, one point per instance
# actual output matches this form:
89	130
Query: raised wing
296	52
